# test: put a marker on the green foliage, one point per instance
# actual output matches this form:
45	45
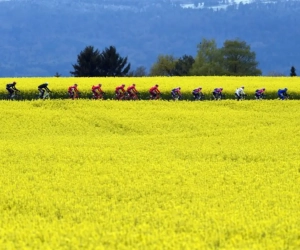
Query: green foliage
164	66
208	60
238	59
183	65
112	64
88	62
293	71
91	62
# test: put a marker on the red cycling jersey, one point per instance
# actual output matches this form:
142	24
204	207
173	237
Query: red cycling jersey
97	87
73	88
131	89
120	88
154	89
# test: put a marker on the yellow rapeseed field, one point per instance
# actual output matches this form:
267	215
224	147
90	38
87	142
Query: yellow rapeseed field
150	174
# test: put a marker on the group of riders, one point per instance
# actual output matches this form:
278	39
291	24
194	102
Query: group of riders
131	93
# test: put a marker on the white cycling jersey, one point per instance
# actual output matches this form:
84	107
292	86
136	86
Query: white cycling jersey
240	91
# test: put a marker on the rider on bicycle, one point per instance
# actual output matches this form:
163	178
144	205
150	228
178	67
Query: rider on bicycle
11	88
282	93
132	92
120	92
240	93
259	93
97	91
176	94
42	89
217	93
154	92
197	93
73	91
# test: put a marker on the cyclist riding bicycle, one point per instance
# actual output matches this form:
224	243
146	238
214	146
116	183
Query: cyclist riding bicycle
154	92
217	93
176	94
240	93
260	93
132	92
197	93
11	88
120	92
43	88
73	91
97	91
282	94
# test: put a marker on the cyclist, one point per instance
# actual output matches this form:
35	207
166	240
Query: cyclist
97	91
282	94
120	92
11	88
240	93
197	93
176	94
42	89
154	92
260	93
73	91
132	92
217	93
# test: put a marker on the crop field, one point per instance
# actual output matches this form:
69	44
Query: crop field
59	86
150	174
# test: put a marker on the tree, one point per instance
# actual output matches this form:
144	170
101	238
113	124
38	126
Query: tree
293	71
138	72
112	64
208	60
183	65
57	74
238	59
88	62
164	66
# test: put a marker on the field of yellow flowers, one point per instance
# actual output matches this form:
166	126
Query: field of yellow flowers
149	174
59	86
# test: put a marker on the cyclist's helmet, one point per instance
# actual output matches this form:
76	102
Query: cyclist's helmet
76	84
242	87
285	89
156	85
133	84
264	89
99	84
14	83
221	88
123	85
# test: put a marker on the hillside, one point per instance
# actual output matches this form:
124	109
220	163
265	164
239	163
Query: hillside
39	38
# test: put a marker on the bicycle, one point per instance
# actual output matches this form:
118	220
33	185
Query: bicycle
99	96
44	96
199	97
260	97
176	97
240	98
154	96
73	95
14	96
218	97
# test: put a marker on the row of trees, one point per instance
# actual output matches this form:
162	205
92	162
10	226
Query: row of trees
235	58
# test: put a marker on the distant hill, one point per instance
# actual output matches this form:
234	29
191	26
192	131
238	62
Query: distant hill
40	38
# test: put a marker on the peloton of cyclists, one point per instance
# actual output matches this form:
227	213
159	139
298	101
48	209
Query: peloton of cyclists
132	92
176	94
43	90
73	91
240	93
154	92
97	91
11	89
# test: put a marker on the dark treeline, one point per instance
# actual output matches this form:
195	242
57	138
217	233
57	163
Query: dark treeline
235	58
